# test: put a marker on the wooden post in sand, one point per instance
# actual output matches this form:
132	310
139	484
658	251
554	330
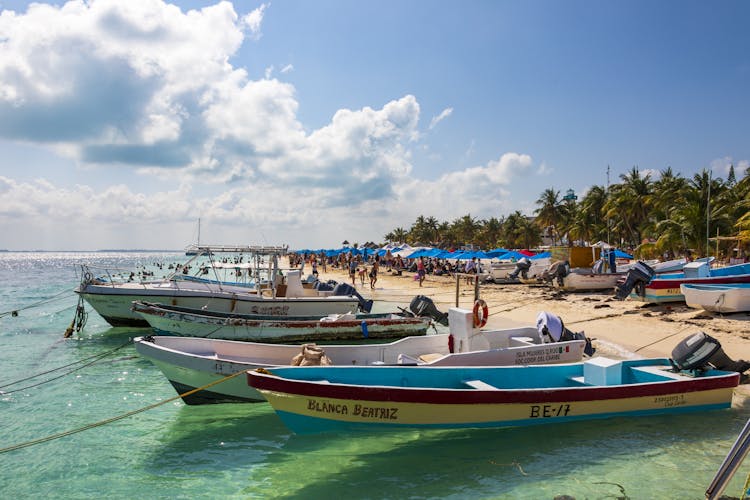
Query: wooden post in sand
475	277
458	281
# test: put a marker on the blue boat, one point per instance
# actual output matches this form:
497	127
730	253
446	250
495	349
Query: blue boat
336	398
666	287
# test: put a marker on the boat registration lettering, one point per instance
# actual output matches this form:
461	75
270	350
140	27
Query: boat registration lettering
540	355
670	401
547	411
270	310
356	410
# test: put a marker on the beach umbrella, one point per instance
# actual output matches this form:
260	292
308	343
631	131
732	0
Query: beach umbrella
542	255
491	254
512	255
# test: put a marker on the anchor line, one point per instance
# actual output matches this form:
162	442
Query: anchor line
14	312
100	423
92	360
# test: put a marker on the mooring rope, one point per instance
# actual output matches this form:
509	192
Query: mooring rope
95	358
14	312
100	423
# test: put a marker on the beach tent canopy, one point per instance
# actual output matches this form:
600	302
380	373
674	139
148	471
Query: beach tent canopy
542	255
472	255
512	255
602	244
491	254
622	255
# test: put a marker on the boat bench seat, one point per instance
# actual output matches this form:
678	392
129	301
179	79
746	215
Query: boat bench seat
521	341
578	380
429	358
658	372
480	384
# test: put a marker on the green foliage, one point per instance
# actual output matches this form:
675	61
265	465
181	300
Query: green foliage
651	217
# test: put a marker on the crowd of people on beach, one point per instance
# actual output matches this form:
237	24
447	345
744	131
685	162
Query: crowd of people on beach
367	268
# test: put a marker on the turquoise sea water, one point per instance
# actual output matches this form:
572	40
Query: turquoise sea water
244	451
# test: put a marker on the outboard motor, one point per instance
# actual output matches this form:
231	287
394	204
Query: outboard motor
522	267
423	306
558	270
345	289
703	352
551	329
637	278
325	286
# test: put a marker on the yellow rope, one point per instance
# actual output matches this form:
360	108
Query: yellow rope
116	418
744	488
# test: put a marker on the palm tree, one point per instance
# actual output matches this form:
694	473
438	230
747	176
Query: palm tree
490	233
629	204
549	214
399	235
464	228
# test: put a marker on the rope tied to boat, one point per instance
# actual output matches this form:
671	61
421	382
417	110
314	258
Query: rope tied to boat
86	362
100	423
79	319
14	312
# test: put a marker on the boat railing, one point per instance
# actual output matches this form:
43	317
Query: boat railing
111	276
731	463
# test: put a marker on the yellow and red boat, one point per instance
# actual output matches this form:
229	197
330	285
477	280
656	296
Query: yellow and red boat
336	398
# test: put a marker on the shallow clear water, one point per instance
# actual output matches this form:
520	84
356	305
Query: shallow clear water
244	451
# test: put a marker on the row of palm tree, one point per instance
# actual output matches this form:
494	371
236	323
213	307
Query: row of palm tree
668	216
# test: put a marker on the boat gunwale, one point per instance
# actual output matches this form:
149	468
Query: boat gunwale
428	395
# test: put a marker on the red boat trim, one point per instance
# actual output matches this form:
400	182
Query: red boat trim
472	396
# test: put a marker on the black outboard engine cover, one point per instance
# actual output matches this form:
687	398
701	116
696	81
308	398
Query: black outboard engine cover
423	306
557	270
345	289
702	352
638	277
552	329
324	287
522	268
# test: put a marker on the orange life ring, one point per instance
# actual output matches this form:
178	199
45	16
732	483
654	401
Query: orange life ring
480	319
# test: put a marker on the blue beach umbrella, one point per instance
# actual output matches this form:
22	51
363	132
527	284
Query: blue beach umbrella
622	255
542	255
511	255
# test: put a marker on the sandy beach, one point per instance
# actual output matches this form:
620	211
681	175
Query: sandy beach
624	328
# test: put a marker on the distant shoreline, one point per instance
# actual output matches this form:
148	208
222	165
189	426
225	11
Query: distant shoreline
129	250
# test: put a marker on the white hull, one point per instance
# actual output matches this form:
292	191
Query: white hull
195	323
499	271
717	298
190	363
114	303
579	281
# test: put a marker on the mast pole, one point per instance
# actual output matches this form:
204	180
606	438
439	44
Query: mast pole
708	214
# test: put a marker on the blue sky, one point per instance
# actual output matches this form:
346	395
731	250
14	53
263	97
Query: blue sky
307	123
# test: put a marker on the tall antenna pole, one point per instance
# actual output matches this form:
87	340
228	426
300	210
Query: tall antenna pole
708	212
608	242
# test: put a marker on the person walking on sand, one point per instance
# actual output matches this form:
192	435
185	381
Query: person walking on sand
374	272
421	270
352	268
